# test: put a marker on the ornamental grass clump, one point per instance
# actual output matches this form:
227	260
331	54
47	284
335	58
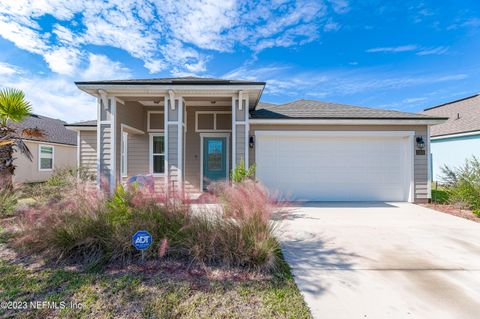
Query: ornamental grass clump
92	228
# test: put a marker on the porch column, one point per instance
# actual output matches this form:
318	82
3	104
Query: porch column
174	139
106	128
240	129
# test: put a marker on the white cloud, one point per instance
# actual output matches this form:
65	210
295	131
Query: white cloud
54	96
433	51
419	50
63	60
100	67
401	48
331	26
282	81
7	69
164	34
340	6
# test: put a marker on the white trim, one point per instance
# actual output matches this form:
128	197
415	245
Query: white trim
411	167
124	156
150	154
240	98
120	101
214	121
99	106
433	138
131	129
165	150
344	122
162	89
180	142
148	121
429	165
48	143
247	133
113	145
334	133
40	169
217	134
171	94
234	132
79	145
81	128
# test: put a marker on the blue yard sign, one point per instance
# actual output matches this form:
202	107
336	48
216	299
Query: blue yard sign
142	240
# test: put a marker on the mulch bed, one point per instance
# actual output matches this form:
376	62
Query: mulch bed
455	211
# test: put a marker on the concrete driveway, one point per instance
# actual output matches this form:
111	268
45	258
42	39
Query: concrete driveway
383	260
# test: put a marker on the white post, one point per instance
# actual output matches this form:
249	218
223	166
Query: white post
180	144
165	139
247	129
234	133
113	147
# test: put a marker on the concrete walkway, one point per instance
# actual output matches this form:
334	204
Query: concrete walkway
383	260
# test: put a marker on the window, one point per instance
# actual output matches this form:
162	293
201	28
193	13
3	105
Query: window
124	154
157	154
213	121
45	158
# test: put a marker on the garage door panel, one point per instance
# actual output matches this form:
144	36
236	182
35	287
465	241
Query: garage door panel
334	168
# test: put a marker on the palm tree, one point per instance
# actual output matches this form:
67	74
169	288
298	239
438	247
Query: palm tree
13	109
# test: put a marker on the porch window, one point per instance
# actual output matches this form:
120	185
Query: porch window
157	154
124	153
45	158
213	121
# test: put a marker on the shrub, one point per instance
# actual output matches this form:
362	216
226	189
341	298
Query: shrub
8	201
60	182
463	184
440	196
240	173
91	228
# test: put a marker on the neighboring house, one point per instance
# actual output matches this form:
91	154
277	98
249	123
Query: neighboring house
458	138
189	131
56	149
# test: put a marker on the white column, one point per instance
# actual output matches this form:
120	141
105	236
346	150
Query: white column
113	147
180	143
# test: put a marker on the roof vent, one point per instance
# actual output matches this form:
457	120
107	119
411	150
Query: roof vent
458	116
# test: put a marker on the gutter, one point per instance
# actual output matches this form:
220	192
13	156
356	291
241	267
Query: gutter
350	121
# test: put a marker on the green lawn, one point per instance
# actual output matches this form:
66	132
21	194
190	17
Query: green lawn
154	291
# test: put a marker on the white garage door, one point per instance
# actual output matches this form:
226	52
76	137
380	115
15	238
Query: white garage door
336	166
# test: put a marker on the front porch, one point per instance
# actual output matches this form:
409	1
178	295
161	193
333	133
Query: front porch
183	139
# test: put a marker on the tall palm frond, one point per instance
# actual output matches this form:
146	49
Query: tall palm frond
9	137
13	106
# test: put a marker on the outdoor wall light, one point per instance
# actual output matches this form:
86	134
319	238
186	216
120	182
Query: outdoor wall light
251	142
420	143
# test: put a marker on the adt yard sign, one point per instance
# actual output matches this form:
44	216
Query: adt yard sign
142	240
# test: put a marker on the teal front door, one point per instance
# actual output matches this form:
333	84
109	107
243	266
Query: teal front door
214	160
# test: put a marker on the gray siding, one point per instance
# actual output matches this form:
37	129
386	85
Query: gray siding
105	150
420	161
240	139
88	151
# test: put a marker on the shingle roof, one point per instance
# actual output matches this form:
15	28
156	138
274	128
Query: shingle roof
310	109
463	114
53	129
188	80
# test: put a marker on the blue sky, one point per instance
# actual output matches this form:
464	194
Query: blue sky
403	55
